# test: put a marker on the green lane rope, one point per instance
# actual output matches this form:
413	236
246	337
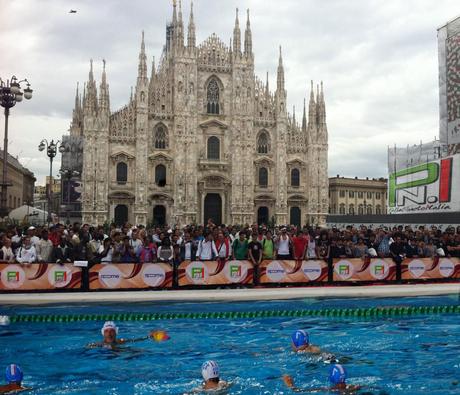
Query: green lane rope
329	312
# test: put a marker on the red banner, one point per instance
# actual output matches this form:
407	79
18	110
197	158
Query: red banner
39	276
293	271
430	268
215	273
130	276
357	269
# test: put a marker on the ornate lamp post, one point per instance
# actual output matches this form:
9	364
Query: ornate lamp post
10	94
51	152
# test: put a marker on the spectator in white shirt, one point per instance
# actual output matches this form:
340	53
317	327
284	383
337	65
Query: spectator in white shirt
26	254
31	234
44	248
7	252
207	250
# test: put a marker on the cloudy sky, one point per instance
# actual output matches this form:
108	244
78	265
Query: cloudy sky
377	58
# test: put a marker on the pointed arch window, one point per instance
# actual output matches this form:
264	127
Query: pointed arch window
263	144
263	177
213	148
160	137
212	95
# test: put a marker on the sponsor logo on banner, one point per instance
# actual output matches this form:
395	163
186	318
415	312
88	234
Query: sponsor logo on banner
417	268
236	271
311	270
344	269
110	276
153	275
59	276
197	272
275	271
379	269
446	267
13	277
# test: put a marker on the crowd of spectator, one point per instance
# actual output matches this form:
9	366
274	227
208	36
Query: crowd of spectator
138	244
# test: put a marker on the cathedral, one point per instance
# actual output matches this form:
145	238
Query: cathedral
202	138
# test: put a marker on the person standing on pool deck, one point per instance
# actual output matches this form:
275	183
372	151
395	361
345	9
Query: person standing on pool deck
110	331
13	376
337	378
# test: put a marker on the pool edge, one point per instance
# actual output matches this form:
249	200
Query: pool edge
220	295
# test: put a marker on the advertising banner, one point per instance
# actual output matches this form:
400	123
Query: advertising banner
357	269
430	268
427	187
293	271
215	273
39	276
130	276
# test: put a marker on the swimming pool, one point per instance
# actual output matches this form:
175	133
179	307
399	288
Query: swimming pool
394	355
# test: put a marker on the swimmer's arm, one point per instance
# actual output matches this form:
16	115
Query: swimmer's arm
138	339
94	345
289	382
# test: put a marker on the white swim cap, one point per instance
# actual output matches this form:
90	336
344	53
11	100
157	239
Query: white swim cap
109	325
210	370
4	320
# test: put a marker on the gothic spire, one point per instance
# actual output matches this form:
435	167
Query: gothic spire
293	116
312	112
267	88
304	117
104	100
191	38
280	76
180	27
91	92
77	99
236	35
248	38
152	74
142	68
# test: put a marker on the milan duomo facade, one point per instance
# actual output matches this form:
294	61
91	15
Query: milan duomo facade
202	137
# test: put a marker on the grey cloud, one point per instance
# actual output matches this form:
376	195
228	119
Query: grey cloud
377	58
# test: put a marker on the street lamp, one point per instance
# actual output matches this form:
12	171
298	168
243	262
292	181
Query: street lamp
68	174
51	152
10	94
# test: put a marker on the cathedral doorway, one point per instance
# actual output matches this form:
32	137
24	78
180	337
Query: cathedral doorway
213	208
262	215
121	214
295	216
159	215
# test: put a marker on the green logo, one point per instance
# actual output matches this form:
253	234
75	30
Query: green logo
60	276
197	272
432	173
235	271
12	277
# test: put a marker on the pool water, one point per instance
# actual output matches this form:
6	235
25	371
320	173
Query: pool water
396	355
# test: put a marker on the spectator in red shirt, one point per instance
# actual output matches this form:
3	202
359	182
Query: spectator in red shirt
300	244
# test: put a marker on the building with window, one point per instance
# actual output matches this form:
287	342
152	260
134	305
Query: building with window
22	183
202	137
357	196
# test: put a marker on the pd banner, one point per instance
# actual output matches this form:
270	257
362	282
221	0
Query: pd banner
39	276
430	268
426	187
357	269
215	273
293	271
130	275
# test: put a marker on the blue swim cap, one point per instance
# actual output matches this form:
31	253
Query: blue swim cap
13	374
337	374
300	338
